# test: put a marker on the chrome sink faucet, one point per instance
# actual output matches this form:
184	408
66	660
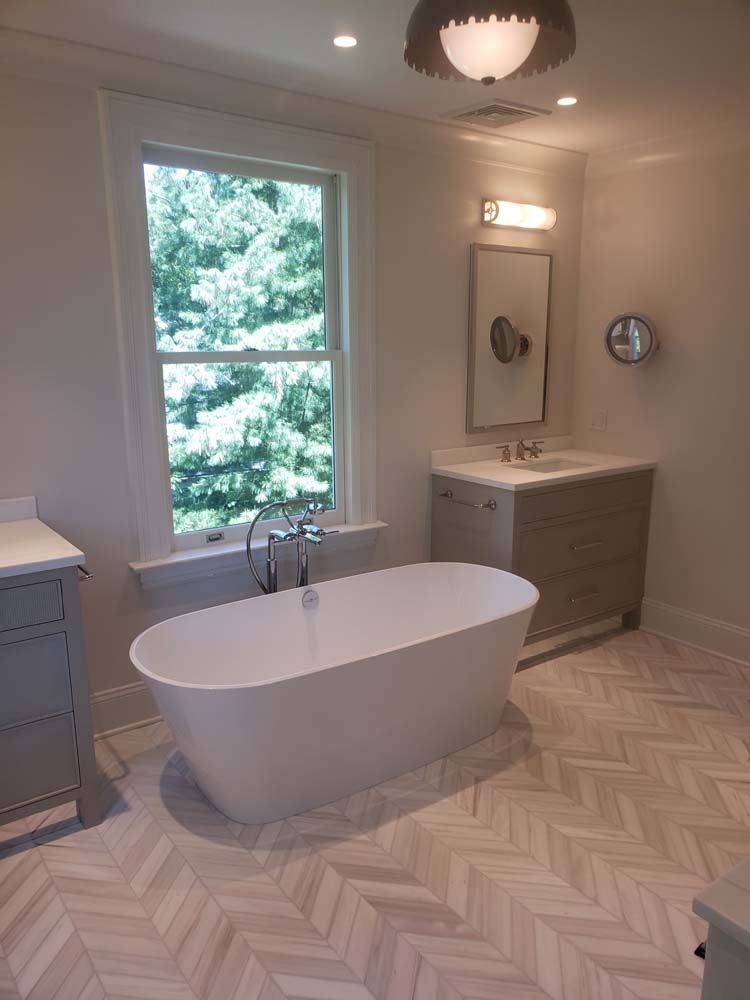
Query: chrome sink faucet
301	531
533	449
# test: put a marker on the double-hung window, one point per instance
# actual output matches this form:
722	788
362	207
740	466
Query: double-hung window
243	264
244	273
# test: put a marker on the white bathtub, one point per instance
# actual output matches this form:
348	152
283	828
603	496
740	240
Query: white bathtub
280	708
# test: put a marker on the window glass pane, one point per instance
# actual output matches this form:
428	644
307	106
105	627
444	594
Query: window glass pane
236	262
241	435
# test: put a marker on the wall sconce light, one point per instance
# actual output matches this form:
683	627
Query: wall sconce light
510	213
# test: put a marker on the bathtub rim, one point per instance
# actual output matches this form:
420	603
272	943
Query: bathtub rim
169	682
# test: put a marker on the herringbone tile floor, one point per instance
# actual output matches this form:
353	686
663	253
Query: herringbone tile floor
556	859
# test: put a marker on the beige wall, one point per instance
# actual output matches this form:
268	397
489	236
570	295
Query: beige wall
668	236
61	415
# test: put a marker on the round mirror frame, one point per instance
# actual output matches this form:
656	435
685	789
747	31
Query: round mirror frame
647	355
498	332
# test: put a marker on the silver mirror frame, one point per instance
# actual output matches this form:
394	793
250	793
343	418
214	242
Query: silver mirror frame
475	249
654	347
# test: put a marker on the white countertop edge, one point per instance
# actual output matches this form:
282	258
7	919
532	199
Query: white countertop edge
601	466
41	566
27	545
195	564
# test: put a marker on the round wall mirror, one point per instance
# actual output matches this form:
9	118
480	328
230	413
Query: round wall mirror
507	342
630	339
503	339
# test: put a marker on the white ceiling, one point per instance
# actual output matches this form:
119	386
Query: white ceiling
643	69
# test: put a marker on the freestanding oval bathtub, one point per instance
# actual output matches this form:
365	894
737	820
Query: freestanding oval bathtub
280	707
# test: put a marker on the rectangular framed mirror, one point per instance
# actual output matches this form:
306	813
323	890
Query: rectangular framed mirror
508	336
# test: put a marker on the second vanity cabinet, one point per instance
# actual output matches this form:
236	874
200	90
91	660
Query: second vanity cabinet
46	739
582	544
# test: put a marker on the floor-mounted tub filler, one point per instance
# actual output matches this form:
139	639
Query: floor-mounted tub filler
285	702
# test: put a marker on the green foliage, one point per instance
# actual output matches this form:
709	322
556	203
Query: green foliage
237	265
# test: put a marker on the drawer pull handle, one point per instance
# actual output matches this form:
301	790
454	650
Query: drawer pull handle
448	495
587	545
583	597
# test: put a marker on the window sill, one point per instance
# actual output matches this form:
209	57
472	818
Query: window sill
200	564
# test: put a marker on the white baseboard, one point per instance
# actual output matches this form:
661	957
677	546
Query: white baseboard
711	634
122	708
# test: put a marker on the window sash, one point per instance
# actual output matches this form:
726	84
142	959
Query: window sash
213	163
238	532
168	156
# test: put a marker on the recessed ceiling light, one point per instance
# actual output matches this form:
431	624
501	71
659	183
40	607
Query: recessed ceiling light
567	102
345	41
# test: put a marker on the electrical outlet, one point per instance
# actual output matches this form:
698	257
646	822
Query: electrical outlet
598	420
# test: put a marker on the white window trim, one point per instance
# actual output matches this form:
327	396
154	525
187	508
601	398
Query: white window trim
130	123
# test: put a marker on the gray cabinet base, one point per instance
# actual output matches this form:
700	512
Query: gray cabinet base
88	807
583	545
632	619
727	968
46	735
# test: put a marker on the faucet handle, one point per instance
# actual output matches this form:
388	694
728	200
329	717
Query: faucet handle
506	452
314	533
536	451
312	509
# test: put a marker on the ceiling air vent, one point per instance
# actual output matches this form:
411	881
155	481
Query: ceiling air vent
495	115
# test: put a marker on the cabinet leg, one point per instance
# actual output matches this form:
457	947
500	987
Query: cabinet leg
632	619
89	810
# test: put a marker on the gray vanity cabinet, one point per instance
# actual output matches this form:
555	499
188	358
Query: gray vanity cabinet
46	738
582	544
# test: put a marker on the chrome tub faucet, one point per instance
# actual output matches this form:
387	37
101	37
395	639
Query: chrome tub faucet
301	531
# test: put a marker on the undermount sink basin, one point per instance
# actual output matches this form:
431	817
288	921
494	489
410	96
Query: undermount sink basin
550	465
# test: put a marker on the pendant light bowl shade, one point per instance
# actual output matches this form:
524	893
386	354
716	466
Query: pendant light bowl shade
489	40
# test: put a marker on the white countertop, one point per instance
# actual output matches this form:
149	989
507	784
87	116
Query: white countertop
490	471
27	545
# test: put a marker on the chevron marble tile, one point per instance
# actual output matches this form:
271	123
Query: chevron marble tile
555	860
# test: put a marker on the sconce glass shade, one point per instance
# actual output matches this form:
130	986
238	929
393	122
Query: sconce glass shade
511	213
489	40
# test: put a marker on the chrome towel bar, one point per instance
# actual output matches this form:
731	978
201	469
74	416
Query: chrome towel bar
85	573
448	495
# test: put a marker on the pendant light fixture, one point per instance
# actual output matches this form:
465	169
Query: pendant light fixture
489	40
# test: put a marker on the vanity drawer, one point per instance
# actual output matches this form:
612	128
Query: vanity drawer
34	679
592	591
589	496
564	548
31	604
39	759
